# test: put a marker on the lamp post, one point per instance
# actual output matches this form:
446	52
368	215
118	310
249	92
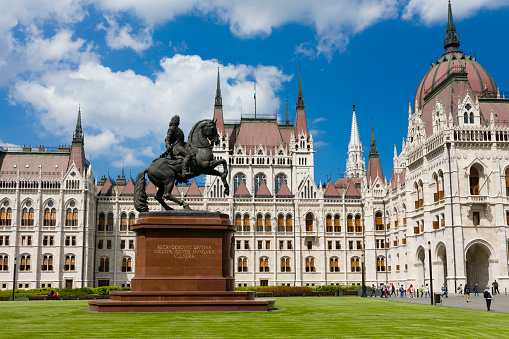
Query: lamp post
448	145
430	273
14	280
363	280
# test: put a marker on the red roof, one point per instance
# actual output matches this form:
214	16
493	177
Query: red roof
175	190
342	183
351	191
194	190
374	169
284	191
218	117
301	124
151	188
52	164
330	190
286	133
128	188
263	191
107	188
78	157
255	132
242	190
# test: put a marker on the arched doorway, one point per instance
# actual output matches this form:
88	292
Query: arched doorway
420	267
478	272
442	260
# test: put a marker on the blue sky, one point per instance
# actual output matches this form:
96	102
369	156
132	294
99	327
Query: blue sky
131	65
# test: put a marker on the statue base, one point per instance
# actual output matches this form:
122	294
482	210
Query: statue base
183	264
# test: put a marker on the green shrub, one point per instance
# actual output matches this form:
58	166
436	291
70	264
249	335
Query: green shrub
331	288
105	290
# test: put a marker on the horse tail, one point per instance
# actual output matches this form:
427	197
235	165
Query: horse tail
140	196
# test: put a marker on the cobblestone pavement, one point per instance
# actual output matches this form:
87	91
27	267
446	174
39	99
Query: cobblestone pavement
500	302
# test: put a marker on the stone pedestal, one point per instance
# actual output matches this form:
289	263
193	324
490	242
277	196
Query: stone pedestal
184	263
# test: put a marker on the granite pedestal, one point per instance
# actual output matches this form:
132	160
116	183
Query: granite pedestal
184	263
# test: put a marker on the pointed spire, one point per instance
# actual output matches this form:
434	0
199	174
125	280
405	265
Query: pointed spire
287	121
395	151
409	110
373	150
451	40
78	132
355	163
219	98
123	166
354	133
300	98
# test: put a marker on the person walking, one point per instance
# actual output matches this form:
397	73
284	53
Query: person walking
401	291
488	297
410	291
420	290
444	291
476	290
393	290
373	291
426	290
495	287
460	290
467	292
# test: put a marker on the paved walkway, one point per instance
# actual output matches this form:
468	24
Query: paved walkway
500	302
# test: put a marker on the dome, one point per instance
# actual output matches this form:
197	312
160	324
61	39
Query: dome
454	63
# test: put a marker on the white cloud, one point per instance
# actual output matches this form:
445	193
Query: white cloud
133	111
432	11
122	37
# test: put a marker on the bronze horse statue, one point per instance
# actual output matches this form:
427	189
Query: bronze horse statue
164	172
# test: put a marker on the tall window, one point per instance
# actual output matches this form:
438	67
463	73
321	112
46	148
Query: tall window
268	227
436	195
238	222
259	179
358	226
74	216
285	264
264	264
355	264
102	222
328	223
109	224
126	265
280	223
3	214
474	181
71	216
68	217
70	263
27	218
507	182
47	263
310	264
465	118
349	223
123	222
334	264
259	223
24	263
246	223
4	262
104	264
132	220
309	222
237	180
242	264
289	227
380	264
379	221
337	223
471	117
280	179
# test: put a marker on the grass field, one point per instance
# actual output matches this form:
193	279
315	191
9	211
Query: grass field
310	317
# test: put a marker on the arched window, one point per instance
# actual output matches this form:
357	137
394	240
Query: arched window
328	223
417	195
474	181
441	185
310	264
109	223
337	223
380	264
285	264
280	223
24	263
104	264
309	222
238	222
5	214
27	218
68	217
349	223
355	264
240	177
70	263
280	179
242	264
74	217
379	221
358	226
102	222
132	220
268	225
123	222
259	223
334	264
436	195
246	223
47	263
507	181
471	117
126	264
4	262
465	118
289	227
259	179
264	264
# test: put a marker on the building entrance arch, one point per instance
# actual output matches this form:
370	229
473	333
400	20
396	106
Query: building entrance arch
478	265
442	263
420	266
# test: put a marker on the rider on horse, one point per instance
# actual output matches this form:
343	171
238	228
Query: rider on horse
175	145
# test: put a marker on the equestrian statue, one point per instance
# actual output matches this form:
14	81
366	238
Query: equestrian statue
180	162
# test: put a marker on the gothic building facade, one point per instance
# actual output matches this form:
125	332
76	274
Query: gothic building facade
448	193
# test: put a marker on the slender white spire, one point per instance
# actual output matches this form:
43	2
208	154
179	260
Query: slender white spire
355	164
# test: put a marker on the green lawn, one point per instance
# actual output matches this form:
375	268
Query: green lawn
311	317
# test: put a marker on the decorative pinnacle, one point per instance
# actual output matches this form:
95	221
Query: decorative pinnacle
373	150
78	132
451	40
219	98
300	98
